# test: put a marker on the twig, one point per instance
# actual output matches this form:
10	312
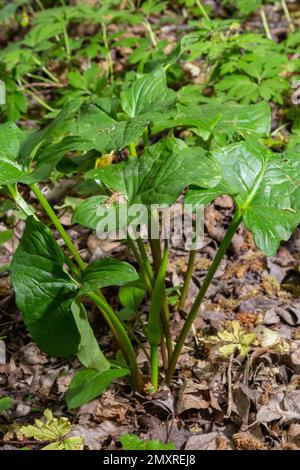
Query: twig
229	378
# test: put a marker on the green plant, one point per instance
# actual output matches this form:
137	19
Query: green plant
266	192
255	77
234	340
132	442
6	403
55	431
143	117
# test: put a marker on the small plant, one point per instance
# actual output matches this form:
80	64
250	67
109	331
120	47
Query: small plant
132	442
6	403
55	431
235	340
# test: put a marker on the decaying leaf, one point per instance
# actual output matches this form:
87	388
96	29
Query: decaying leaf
190	397
272	340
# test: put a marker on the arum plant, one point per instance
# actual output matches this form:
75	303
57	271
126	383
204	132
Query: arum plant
51	288
53	284
266	191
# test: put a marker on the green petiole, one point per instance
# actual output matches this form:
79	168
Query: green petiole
154	323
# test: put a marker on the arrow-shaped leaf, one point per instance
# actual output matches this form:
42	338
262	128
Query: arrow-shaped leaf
107	272
265	187
157	177
148	94
44	291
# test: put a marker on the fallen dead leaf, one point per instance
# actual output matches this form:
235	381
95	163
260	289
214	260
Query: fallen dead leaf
95	436
202	442
190	397
108	407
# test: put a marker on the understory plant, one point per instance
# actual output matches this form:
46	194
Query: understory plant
54	284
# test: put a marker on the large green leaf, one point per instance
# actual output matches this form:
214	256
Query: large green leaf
56	130
264	185
183	45
107	272
132	295
86	213
10	142
18	149
44	291
148	94
157	177
292	156
89	353
10	171
88	384
51	154
11	138
104	132
220	120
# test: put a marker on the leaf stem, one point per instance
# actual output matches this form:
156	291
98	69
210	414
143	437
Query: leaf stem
165	317
51	214
229	381
46	70
39	100
139	260
157	258
153	38
108	313
154	332
132	150
19	200
118	329
288	16
203	11
187	279
154	366
108	56
148	276
265	23
67	43
145	259
202	292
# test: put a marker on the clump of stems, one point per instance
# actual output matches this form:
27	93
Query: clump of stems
154	275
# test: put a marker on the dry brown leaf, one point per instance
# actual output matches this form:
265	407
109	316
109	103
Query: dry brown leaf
190	397
95	436
202	442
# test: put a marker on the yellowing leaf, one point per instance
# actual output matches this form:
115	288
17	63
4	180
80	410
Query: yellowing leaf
74	443
236	327
248	339
70	443
227	349
226	336
54	446
104	160
236	340
53	430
